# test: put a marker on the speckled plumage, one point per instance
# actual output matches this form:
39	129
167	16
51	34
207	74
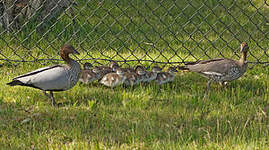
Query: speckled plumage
113	79
220	70
164	77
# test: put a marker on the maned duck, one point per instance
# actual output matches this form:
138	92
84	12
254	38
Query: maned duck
151	75
220	70
53	78
113	79
164	77
89	75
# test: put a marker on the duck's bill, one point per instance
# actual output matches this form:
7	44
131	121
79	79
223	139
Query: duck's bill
76	52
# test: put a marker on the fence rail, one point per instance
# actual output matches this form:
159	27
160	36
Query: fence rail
134	31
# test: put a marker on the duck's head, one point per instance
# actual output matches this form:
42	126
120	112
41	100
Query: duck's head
66	50
69	49
87	66
244	47
140	70
156	69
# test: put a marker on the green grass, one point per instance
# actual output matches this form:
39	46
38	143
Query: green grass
170	116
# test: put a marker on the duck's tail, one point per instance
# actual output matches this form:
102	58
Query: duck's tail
15	82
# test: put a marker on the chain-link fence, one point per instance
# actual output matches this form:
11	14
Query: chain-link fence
139	31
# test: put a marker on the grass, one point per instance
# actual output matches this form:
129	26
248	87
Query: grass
171	116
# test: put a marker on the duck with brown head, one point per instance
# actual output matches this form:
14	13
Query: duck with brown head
52	78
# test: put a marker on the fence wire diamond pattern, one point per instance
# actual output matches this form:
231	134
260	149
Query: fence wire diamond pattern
150	31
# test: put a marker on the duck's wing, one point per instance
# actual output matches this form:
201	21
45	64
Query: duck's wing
53	78
37	71
213	66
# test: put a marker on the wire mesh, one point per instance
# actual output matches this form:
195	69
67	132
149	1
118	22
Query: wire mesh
134	31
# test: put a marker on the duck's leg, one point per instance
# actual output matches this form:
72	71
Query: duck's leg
50	95
53	102
208	86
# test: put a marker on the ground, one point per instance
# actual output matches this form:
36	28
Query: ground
172	116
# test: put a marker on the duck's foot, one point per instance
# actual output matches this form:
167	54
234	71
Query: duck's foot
50	95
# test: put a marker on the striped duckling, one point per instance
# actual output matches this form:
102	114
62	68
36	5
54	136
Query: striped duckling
107	69
220	70
89	75
53	78
164	77
133	76
141	73
113	79
152	75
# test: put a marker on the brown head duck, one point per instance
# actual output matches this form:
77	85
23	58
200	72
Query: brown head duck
53	78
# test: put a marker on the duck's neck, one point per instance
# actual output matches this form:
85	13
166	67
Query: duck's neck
243	58
66	58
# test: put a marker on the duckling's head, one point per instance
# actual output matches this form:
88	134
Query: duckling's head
96	70
113	65
87	66
140	70
244	47
172	69
156	69
119	71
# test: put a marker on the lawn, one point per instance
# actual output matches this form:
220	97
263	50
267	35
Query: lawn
149	116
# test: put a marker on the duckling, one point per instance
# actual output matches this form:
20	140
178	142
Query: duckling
108	69
87	76
164	77
140	71
105	69
151	75
113	79
131	79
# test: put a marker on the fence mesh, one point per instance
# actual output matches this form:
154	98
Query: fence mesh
134	31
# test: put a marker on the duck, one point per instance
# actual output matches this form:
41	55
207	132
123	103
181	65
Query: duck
152	75
55	78
114	78
89	75
220	70
165	77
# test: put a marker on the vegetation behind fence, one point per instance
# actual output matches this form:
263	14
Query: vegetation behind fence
167	31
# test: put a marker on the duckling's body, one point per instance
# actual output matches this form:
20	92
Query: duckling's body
89	75
152	75
164	77
113	79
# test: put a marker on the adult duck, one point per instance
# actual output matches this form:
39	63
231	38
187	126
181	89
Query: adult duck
52	78
220	70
